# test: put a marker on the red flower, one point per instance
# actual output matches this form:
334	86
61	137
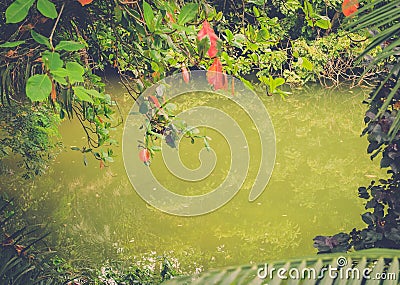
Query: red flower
144	155
215	75
349	7
206	30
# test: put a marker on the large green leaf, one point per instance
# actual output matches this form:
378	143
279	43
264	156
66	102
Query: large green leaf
148	16
38	87
40	39
69	46
75	72
18	10
59	75
52	60
376	262
188	13
47	8
82	94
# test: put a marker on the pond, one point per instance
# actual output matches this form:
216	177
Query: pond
95	214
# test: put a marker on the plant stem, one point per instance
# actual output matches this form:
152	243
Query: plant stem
55	26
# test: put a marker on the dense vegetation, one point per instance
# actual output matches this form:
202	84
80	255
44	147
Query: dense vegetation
53	54
382	130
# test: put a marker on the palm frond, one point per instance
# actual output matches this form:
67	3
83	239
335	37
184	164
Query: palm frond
379	262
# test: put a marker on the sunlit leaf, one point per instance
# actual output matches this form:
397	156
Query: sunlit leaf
148	16
75	72
188	13
38	87
52	60
69	46
18	10
47	9
81	94
40	39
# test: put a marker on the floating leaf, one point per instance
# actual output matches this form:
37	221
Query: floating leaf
38	87
18	10
47	9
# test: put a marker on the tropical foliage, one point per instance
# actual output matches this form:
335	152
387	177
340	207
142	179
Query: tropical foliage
53	51
312	270
381	18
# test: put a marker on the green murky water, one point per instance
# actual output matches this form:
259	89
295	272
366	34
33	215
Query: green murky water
321	161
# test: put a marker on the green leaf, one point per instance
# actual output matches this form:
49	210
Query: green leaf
18	11
40	39
183	28
308	9
306	64
81	94
38	87
94	93
75	72
229	35
279	81
11	44
69	46
188	13
47	9
323	22
59	75
148	16
52	60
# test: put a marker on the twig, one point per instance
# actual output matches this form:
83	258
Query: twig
55	26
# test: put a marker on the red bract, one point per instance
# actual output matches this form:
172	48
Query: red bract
349	7
215	75
155	101
144	155
185	74
170	18
85	2
206	30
